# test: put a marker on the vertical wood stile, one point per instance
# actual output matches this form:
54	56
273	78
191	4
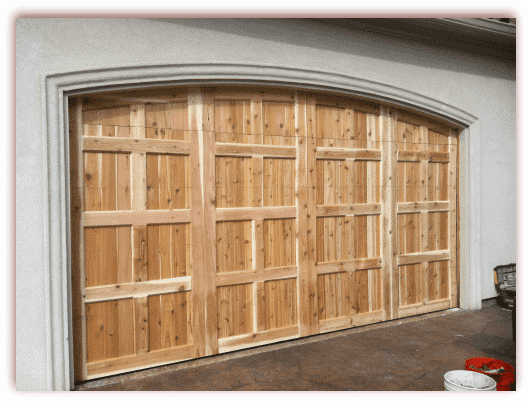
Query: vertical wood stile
452	196
305	185
77	238
138	182
389	186
424	215
259	296
141	325
203	222
424	234
371	182
209	227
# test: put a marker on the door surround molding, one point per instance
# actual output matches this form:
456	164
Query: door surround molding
58	86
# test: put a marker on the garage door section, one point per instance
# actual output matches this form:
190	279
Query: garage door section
214	219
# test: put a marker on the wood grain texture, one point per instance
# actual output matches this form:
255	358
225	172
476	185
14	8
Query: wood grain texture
141	361
233	246
168	320
281	303
168	185
389	197
242	150
255	339
212	219
343	153
233	278
139	289
235	310
305	111
351	321
135	217
75	120
452	185
110	329
129	145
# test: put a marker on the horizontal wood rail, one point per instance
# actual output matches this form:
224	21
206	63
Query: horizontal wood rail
418	156
410	207
349	209
419	257
145	360
250	150
110	144
253	276
345	153
348	265
255	339
416	309
255	213
137	290
136	217
350	321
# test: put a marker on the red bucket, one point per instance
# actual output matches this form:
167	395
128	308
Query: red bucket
504	380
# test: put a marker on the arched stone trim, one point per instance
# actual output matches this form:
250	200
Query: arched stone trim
57	86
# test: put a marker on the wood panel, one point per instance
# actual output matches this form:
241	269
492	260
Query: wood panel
278	123
110	329
334	298
235	310
169	247
426	161
279	182
281	303
168	320
207	220
279	243
168	182
233	246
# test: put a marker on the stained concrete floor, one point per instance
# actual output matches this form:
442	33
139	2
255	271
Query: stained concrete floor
408	354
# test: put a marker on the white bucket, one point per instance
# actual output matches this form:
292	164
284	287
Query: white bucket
465	380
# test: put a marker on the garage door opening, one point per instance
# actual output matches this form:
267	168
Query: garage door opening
206	220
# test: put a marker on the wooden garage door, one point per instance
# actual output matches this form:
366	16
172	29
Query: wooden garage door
208	220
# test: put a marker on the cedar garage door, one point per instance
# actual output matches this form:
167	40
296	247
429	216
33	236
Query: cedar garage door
206	220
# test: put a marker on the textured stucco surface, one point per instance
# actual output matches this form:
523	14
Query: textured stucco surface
483	87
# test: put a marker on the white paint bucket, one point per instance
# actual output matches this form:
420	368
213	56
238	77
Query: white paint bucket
465	380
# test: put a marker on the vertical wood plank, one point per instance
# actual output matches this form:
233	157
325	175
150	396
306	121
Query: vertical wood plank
138	161
256	119
141	314
305	185
198	285
389	185
94	332
424	237
139	253
203	221
259	298
138	180
125	313
75	116
154	313
452	196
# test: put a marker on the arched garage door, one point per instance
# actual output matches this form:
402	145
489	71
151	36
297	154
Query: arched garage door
206	220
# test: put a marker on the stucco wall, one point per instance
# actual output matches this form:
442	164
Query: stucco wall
480	86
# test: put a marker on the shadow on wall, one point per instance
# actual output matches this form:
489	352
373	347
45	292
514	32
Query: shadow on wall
300	32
